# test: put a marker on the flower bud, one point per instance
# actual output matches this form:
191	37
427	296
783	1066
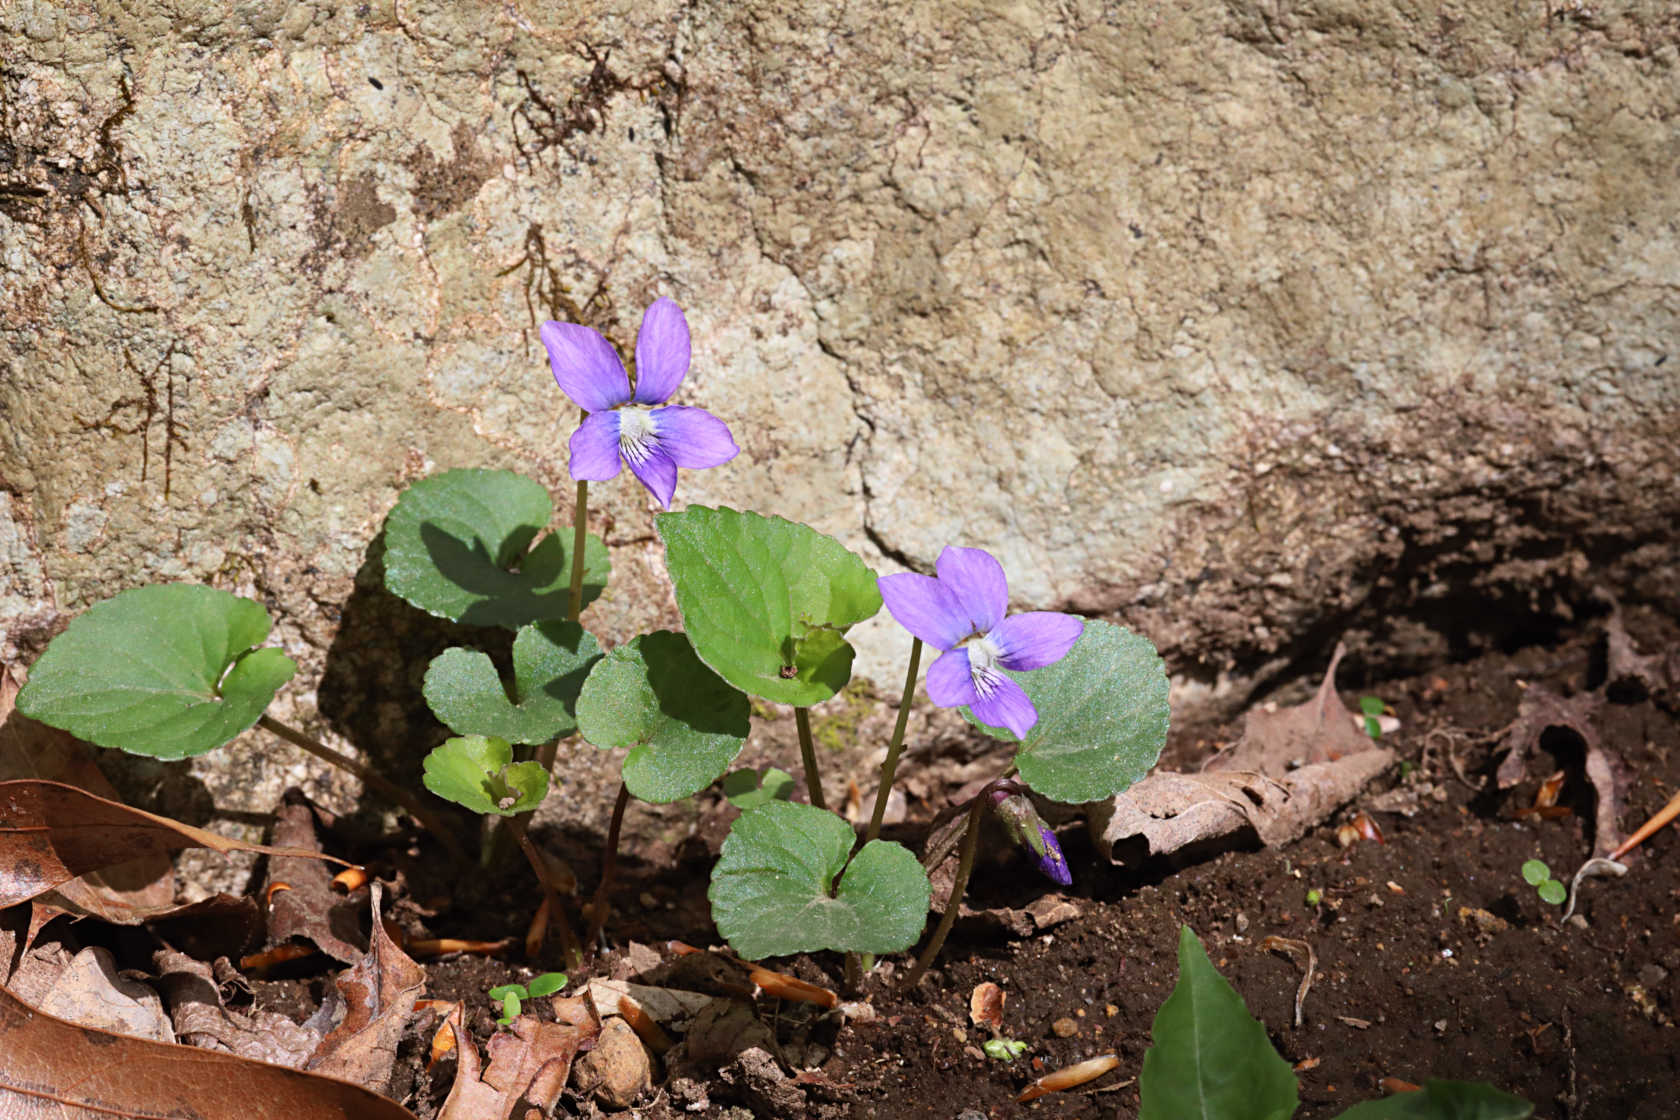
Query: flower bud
1028	829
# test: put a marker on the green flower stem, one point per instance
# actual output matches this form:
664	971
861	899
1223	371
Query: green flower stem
600	907
551	894
398	796
890	766
808	754
580	522
965	866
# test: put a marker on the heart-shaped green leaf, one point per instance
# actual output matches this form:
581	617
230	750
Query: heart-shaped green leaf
478	772
458	545
1102	717
745	790
683	724
550	662
1444	1100
167	671
765	600
1211	1059
772	888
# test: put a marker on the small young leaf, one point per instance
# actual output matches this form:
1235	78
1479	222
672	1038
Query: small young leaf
458	545
167	671
1444	1100
1372	727
772	888
545	985
1553	892
682	723
1102	716
1536	872
1211	1059
478	772
1371	705
745	791
510	1008
766	601
502	991
550	662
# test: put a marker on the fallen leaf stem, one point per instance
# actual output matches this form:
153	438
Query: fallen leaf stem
1663	816
965	865
599	907
580	535
890	767
808	755
410	804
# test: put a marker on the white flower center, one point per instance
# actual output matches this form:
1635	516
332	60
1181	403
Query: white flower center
983	655
638	435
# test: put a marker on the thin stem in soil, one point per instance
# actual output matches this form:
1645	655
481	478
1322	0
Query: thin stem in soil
890	766
398	796
600	908
808	753
580	537
551	894
965	865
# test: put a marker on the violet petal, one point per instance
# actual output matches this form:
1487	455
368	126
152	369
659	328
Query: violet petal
585	366
976	579
950	684
1051	861
693	437
658	473
1035	639
594	447
662	352
925	607
1002	703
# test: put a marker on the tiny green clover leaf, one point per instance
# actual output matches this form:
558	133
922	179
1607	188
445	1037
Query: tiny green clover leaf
550	662
167	671
545	984
683	724
1535	872
773	893
1003	1049
1209	1056
766	601
1372	707
1552	891
459	545
745	791
478	773
1102	716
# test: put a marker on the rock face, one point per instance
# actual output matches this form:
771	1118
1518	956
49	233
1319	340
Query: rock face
1245	320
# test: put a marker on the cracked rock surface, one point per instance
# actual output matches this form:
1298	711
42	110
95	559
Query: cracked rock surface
1245	321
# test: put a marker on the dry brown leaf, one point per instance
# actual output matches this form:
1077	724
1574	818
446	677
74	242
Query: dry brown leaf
379	993
1169	811
309	908
88	991
1291	770
1321	730
51	833
60	1069
125	893
192	993
529	1065
1540	709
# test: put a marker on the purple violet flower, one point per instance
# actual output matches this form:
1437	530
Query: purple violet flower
1024	825
625	427
961	611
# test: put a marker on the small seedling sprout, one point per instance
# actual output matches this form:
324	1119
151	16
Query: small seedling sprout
1372	707
511	997
1539	876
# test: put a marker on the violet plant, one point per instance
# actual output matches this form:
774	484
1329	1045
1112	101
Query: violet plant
765	603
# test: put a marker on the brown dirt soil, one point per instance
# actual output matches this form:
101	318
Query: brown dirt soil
1434	957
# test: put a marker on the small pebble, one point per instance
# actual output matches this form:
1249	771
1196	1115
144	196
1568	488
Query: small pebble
1064	1028
1242	922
